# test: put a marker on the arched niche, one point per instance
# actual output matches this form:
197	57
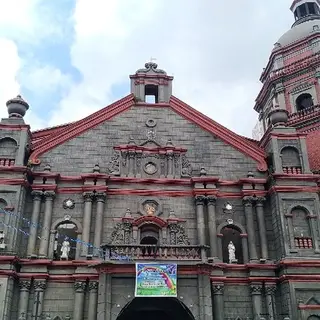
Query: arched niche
302	230
3	206
8	151
155	309
291	160
304	101
236	233
314	317
65	229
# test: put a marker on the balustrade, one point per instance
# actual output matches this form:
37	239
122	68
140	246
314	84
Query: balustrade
152	252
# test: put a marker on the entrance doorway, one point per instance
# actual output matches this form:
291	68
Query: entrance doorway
155	309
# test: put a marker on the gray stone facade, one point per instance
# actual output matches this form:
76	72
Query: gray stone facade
150	184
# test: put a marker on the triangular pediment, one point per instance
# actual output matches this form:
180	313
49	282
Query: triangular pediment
244	145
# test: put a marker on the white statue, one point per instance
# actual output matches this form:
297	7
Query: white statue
65	249
232	252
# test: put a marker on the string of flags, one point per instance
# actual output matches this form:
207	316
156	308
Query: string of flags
38	226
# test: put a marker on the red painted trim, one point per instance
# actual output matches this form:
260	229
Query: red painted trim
239	280
79	127
150	219
293	189
221	132
304	177
20	169
300	278
308	307
162	150
288	136
14	182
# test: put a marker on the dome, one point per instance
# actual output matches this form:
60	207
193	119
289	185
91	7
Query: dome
299	32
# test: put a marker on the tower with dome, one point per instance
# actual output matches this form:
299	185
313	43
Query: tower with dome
149	209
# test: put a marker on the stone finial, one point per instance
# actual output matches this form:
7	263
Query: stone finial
47	167
172	215
131	142
250	174
203	172
96	168
128	213
169	143
17	107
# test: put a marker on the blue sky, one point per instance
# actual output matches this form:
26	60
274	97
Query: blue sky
69	58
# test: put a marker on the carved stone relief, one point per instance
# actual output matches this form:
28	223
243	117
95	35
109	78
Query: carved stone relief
114	164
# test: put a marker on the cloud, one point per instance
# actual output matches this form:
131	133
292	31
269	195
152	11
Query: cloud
10	63
215	50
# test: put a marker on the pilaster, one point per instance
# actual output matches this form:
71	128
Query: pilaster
100	198
88	198
270	300
39	288
211	202
262	227
45	229
256	292
248	210
218	300
80	288
37	196
93	300
24	286
200	201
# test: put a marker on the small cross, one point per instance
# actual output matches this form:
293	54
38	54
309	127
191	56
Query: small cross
152	59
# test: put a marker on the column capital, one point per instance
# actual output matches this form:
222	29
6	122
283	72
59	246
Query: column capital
93	286
101	196
270	289
212	200
40	285
80	286
49	195
260	201
88	196
248	201
256	289
200	200
217	288
36	195
25	285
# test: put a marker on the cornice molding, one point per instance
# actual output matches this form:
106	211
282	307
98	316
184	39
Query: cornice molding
226	135
80	127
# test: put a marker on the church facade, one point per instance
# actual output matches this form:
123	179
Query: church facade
159	185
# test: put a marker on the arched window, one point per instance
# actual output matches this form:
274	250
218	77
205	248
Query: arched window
291	163
304	101
65	241
301	228
149	237
8	150
232	234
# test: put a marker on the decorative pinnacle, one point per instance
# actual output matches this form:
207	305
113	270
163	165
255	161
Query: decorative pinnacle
17	107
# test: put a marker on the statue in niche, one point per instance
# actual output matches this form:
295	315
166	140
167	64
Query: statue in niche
65	249
150	209
232	252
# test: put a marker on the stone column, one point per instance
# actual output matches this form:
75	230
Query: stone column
37	195
212	226
93	300
80	288
100	198
201	224
256	291
46	225
270	290
248	211
39	288
262	228
25	286
218	303
170	165
88	197
132	156
244	242
314	232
